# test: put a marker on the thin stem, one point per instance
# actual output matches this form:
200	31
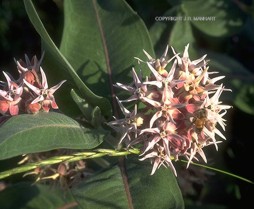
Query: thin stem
68	158
97	154
220	171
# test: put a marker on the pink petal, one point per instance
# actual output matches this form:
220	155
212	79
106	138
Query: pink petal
44	79
152	102
151	144
155	73
33	88
14	109
4	106
8	79
38	99
135	77
156	165
148	55
21	68
53	104
191	108
155	117
54	88
185	53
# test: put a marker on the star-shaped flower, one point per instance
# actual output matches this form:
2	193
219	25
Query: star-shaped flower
29	70
44	94
128	126
10	98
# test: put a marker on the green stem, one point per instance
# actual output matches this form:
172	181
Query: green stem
68	158
96	154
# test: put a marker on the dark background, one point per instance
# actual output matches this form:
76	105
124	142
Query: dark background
208	189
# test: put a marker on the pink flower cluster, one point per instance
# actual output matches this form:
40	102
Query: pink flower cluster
179	110
30	92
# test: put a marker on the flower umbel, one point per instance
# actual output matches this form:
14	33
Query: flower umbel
180	110
30	92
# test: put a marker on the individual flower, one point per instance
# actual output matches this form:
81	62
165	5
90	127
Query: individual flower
138	89
10	97
159	64
188	66
158	158
44	95
128	127
29	70
167	107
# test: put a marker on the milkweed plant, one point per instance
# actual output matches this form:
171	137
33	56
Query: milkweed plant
166	110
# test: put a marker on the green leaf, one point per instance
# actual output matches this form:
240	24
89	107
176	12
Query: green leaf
125	186
82	104
104	190
27	133
161	30
100	40
176	33
26	196
132	188
63	63
214	17
158	191
181	35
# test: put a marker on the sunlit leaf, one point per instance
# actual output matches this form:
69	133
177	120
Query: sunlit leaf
62	63
161	30
181	35
27	133
100	40
214	17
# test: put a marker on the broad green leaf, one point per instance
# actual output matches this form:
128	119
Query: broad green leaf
176	33
181	35
161	30
63	63
27	133
100	40
127	186
104	190
148	9
26	196
158	191
132	187
214	17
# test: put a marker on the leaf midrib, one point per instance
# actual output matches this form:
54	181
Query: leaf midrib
105	49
